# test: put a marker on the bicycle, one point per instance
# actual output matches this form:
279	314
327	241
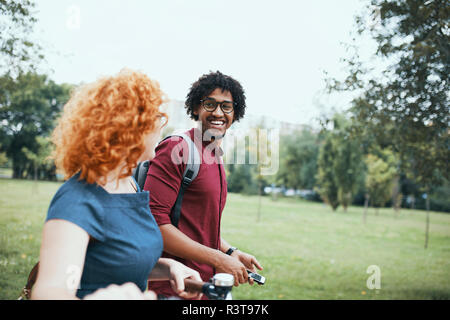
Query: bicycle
218	288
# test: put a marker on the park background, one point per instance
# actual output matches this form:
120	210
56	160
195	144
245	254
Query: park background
358	91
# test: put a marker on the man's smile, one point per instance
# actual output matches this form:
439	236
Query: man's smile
218	123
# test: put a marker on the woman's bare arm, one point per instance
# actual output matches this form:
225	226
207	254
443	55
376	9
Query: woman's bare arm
63	250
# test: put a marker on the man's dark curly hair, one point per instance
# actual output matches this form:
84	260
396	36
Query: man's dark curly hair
207	84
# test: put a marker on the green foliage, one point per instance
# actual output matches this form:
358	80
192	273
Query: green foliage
242	178
248	177
326	183
298	160
340	164
29	106
3	159
40	158
407	105
439	198
18	51
297	164
380	177
347	163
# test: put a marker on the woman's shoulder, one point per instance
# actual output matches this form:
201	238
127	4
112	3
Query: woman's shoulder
77	201
77	191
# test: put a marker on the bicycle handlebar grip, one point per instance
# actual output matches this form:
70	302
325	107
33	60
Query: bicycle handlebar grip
193	285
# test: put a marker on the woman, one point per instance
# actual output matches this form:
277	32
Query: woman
100	240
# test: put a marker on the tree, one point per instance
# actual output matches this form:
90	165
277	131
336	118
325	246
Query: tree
340	164
3	158
407	103
347	164
240	178
425	170
28	108
17	51
417	32
40	158
298	160
326	182
380	178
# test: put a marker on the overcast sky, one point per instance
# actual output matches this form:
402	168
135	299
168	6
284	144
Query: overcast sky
278	50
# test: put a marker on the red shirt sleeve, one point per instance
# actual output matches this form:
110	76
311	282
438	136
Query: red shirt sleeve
164	177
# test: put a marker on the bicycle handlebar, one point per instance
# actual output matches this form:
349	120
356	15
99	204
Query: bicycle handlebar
193	285
218	288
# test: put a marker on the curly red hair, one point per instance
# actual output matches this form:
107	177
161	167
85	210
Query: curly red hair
104	124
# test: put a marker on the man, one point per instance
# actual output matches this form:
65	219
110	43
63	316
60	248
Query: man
215	101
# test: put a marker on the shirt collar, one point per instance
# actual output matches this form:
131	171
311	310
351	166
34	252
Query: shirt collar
206	143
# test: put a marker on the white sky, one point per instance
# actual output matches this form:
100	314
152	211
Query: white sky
277	49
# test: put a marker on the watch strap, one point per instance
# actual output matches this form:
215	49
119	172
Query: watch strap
231	250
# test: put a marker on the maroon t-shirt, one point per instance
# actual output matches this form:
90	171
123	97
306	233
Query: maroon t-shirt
203	201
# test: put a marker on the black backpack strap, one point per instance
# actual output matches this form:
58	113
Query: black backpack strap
176	209
140	173
190	173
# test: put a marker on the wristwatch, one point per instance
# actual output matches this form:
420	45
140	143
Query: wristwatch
231	250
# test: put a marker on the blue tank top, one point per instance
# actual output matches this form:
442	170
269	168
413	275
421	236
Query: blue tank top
127	242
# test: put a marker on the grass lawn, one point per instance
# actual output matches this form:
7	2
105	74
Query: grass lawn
307	251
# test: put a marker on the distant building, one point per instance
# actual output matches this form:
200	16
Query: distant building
251	121
178	118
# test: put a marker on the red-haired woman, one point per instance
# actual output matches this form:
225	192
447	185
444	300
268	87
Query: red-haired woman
100	240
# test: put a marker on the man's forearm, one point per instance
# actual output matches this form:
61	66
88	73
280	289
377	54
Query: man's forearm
180	245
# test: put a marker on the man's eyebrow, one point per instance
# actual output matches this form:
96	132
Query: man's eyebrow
210	98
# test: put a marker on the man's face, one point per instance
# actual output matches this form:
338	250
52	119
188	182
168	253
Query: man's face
217	122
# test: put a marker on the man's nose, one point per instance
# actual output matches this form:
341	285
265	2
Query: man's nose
218	112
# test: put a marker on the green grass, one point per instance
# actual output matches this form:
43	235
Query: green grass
310	252
23	208
307	251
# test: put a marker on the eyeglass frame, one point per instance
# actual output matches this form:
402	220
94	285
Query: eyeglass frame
217	105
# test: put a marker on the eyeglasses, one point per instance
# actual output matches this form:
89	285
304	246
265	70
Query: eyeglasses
210	105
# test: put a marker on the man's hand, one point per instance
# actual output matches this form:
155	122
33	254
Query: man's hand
231	265
248	261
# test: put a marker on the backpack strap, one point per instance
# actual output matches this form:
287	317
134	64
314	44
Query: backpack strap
140	173
190	173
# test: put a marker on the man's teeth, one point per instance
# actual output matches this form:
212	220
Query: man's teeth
218	122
